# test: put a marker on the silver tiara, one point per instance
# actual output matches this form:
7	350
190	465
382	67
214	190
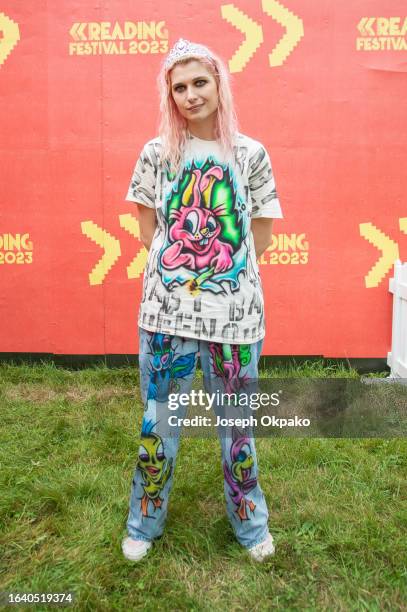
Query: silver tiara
184	49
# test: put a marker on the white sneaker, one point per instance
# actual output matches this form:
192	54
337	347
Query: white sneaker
264	549
134	550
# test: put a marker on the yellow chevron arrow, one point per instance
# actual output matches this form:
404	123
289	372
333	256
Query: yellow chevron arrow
252	31
294	30
403	224
11	36
137	265
108	243
365	26
389	249
77	32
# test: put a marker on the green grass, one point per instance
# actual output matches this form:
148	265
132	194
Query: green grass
69	441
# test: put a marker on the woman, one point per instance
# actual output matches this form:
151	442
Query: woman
206	199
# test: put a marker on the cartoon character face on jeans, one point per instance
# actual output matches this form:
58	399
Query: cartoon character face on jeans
243	460
151	461
238	475
153	466
227	361
162	352
166	367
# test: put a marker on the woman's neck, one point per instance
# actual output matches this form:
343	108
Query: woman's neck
204	131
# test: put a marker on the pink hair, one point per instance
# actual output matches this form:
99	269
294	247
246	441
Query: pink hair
173	127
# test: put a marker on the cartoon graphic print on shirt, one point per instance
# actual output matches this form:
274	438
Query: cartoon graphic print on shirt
204	245
204	215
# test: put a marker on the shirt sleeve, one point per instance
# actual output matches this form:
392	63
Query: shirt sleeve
142	184
265	202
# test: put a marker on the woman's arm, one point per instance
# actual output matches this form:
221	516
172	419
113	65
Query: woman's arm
261	229
148	222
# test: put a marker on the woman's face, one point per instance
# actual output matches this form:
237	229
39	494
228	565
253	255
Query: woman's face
195	91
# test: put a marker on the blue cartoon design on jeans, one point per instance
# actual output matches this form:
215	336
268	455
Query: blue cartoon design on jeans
166	367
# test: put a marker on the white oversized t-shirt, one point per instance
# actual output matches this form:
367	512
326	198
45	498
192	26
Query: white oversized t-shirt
201	279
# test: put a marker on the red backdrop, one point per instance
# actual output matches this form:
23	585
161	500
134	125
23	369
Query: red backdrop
322	85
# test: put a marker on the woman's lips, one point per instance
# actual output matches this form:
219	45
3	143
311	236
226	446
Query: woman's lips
195	107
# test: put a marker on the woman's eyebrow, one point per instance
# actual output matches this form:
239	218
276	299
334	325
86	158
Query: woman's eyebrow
198	78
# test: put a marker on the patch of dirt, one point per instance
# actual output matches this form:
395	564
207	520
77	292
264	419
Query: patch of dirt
30	393
40	394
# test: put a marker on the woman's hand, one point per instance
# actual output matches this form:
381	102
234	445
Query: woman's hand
262	234
148	222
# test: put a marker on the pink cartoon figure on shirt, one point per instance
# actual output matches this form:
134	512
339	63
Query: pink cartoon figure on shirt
194	234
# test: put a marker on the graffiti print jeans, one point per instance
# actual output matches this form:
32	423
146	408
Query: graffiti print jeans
167	369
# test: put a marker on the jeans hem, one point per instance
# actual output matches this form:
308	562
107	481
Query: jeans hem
256	541
139	537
